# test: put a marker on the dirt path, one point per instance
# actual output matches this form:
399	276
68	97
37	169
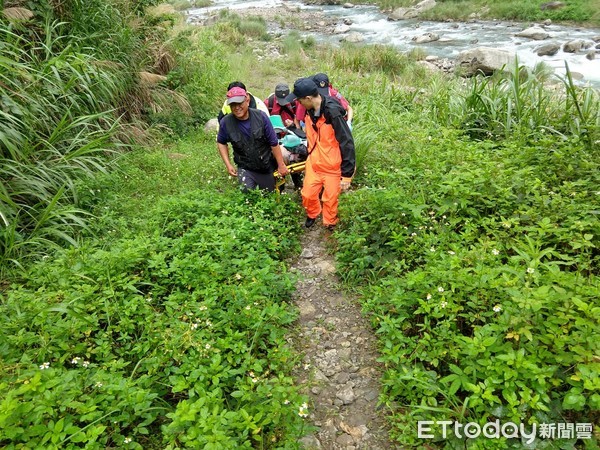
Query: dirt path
339	373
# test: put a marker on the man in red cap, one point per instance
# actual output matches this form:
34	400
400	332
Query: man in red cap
331	158
256	150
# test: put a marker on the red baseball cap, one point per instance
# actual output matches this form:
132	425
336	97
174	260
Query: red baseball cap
236	95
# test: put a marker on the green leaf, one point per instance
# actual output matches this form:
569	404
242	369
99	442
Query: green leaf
573	400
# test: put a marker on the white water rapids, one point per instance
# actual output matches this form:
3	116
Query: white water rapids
454	37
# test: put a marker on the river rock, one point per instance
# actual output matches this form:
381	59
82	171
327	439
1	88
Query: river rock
347	5
574	45
211	125
591	54
425	5
486	60
346	395
345	440
341	29
428	65
309	443
551	5
536	33
354	37
550	49
403	14
426	38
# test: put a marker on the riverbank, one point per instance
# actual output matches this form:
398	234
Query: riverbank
440	45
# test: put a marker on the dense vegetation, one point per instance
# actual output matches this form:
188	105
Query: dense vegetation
584	11
79	81
479	254
474	217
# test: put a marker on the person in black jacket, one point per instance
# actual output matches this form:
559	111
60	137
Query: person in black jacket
256	150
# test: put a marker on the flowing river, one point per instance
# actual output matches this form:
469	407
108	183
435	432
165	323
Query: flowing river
455	37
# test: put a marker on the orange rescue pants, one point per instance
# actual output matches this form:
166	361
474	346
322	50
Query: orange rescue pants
313	183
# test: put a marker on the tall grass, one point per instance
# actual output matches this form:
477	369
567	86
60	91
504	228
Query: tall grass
520	105
380	58
77	78
57	126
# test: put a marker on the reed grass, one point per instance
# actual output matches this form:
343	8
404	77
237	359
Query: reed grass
68	80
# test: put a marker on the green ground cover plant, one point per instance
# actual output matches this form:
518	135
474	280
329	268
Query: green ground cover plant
168	331
478	252
472	234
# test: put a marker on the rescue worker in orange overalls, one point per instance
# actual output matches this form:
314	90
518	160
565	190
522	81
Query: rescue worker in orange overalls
331	158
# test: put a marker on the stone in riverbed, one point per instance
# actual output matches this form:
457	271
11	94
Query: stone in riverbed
536	33
485	60
550	49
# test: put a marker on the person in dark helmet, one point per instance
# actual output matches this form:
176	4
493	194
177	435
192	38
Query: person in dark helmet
331	158
325	88
278	105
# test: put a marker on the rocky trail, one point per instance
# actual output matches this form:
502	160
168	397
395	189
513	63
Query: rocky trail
339	371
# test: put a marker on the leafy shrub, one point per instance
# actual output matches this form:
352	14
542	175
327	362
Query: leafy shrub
479	266
171	337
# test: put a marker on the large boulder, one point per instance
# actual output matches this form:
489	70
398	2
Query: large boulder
341	29
485	60
411	13
353	37
575	45
425	38
403	14
211	125
535	32
425	5
549	49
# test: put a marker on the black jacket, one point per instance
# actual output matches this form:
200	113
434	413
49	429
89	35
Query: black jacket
252	153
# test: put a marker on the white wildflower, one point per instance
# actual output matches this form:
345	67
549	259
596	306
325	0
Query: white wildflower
530	270
45	366
443	304
440	289
495	252
497	308
429	296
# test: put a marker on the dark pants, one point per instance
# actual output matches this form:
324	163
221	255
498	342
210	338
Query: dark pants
255	180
